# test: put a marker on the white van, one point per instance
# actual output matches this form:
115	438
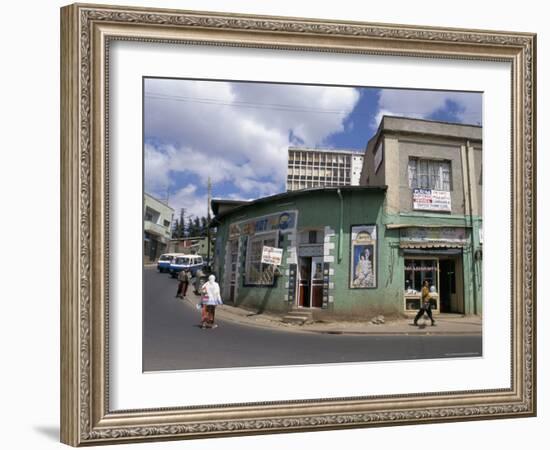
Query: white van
163	263
181	262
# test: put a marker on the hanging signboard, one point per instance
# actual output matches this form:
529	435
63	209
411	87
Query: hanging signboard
431	200
434	234
272	255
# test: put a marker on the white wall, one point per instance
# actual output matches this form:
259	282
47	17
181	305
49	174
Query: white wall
29	329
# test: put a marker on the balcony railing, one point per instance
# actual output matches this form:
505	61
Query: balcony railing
157	229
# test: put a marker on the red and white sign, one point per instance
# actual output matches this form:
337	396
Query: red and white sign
431	200
272	255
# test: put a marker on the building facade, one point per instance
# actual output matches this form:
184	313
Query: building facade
310	168
361	251
332	264
191	245
157	221
433	207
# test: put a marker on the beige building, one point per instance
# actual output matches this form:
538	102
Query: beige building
157	223
313	167
433	207
411	155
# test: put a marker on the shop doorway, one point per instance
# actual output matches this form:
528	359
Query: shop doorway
310	282
447	280
444	272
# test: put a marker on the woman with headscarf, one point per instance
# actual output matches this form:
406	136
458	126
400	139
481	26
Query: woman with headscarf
363	271
211	298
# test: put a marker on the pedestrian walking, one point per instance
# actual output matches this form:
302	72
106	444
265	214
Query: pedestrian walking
200	278
184	278
210	298
425	304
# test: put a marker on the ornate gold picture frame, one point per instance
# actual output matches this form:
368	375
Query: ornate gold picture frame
87	32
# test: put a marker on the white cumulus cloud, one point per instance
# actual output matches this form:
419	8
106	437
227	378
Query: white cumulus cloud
464	106
234	133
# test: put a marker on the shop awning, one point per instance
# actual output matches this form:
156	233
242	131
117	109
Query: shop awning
432	251
421	245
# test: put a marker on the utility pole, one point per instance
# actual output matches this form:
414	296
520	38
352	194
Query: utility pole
181	231
208	237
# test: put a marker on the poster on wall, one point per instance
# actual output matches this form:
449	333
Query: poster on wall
363	257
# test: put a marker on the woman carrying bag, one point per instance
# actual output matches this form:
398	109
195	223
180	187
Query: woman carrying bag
210	298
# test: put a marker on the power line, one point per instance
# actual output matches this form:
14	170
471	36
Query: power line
272	106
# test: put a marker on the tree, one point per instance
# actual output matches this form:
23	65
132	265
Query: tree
179	226
190	227
204	226
196	227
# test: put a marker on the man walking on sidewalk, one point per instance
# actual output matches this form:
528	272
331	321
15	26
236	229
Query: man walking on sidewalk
184	278
425	305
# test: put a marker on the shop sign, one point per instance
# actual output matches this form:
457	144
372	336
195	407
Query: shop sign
431	200
310	250
285	221
272	255
435	234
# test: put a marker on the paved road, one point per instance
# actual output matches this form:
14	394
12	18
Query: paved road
172	339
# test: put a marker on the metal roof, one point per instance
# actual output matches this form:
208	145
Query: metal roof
290	194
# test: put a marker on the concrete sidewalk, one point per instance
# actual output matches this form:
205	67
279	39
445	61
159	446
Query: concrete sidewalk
446	324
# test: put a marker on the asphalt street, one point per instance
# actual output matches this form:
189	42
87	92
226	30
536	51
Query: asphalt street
173	340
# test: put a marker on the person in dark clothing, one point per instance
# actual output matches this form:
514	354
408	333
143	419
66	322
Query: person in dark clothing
184	278
425	304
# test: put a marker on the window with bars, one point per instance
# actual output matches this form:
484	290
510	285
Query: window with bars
429	174
257	273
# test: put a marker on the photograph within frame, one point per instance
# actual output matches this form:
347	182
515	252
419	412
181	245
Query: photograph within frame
215	203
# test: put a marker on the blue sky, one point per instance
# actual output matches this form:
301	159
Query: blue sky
238	133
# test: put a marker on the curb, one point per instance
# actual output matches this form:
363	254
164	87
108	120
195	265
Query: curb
232	317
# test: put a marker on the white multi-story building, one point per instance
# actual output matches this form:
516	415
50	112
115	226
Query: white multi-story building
157	220
314	167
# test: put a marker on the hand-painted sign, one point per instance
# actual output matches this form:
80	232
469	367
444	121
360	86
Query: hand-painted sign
431	200
272	255
285	221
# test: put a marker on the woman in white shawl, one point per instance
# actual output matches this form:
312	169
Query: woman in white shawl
211	298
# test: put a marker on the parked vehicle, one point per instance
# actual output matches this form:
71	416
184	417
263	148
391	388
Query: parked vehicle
191	262
163	263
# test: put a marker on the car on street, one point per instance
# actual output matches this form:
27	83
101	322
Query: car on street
163	263
191	262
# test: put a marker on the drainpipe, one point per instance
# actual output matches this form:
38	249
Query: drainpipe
340	232
474	274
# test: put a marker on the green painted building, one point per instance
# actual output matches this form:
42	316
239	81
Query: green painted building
335	256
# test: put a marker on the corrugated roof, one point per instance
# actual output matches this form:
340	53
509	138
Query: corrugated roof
293	194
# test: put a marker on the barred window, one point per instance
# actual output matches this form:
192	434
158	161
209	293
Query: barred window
429	174
256	272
